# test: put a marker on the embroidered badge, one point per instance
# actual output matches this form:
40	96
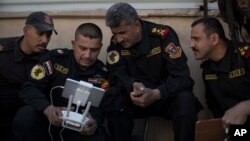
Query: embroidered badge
37	72
48	67
245	51
113	57
125	52
61	69
173	51
96	80
161	32
105	85
236	73
211	77
154	51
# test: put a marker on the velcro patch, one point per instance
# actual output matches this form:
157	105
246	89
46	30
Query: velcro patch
48	67
37	72
113	57
173	51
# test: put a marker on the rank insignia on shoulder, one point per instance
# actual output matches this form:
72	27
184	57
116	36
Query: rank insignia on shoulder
173	51
37	72
162	32
113	57
245	51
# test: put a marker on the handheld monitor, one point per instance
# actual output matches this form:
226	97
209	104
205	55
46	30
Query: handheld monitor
95	94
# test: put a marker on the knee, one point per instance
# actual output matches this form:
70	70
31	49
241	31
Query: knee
26	116
186	103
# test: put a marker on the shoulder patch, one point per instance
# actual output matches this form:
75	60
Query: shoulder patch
48	67
37	72
173	51
244	51
113	57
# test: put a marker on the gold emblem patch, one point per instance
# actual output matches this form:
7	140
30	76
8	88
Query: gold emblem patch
61	69
37	72
236	73
211	77
154	51
113	57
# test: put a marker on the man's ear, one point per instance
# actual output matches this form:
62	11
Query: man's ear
137	24
214	38
73	43
25	29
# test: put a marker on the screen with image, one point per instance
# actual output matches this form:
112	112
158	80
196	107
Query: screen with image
95	93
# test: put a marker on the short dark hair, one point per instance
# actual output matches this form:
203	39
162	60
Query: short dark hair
120	12
212	25
90	30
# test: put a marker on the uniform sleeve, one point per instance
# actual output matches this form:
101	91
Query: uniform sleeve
33	92
117	66
176	63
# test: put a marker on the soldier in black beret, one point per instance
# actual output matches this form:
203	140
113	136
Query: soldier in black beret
17	56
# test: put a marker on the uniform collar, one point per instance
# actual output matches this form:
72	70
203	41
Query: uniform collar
143	47
18	54
224	65
89	71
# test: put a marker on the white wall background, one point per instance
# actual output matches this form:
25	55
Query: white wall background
47	5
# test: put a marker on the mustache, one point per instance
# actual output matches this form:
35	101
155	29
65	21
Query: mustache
194	49
86	59
43	45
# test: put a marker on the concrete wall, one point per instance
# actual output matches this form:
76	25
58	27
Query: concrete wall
66	22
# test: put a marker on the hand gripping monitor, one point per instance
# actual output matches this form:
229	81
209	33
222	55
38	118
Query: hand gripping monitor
79	93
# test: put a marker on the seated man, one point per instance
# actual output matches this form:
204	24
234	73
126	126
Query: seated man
152	74
17	57
33	120
225	71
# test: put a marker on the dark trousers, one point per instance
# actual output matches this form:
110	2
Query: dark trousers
6	119
6	133
182	109
30	125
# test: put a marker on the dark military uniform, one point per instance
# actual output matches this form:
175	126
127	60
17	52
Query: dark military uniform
158	62
50	72
227	81
15	69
